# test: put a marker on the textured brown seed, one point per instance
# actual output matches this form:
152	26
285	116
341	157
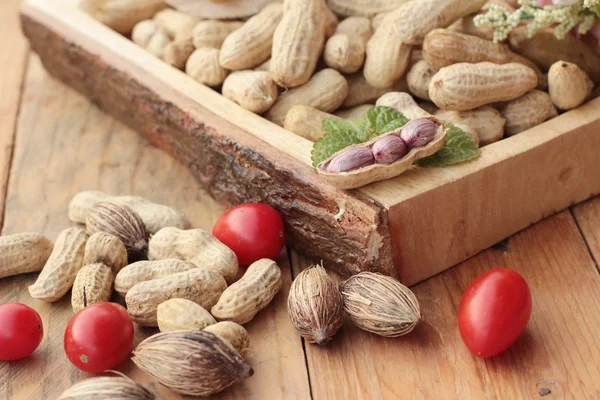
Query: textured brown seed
182	314
380	304
241	301
199	285
142	271
105	248
23	252
92	285
197	247
107	387
194	363
60	270
235	334
315	305
121	222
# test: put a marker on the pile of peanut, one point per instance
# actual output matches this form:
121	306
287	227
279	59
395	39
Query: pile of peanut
301	61
186	279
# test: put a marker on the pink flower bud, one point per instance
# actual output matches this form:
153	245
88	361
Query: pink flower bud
389	149
418	132
351	159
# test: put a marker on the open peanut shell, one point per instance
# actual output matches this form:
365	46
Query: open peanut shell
379	172
231	9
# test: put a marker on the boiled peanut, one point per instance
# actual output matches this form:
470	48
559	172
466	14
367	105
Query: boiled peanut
197	247
298	42
182	314
250	45
93	284
158	44
241	301
363	8
569	85
60	270
102	247
142	271
122	15
545	49
486	122
443	47
178	52
143	31
418	79
345	50
360	91
387	59
234	334
203	65
527	111
253	90
200	285
325	91
404	103
21	253
155	216
354	112
212	33
306	121
178	25
462	87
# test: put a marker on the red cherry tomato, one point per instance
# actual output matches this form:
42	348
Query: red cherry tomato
21	331
494	311
253	231
99	337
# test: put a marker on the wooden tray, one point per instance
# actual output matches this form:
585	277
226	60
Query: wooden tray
413	226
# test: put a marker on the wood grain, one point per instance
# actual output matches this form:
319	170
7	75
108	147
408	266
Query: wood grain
64	145
587	215
12	68
556	355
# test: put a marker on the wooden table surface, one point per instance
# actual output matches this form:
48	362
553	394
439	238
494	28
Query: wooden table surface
54	143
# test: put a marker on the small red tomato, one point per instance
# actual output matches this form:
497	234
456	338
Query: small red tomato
21	331
253	231
99	337
494	311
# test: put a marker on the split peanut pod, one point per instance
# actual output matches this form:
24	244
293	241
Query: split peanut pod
356	166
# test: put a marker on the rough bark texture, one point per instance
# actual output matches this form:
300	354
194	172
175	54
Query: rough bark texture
233	165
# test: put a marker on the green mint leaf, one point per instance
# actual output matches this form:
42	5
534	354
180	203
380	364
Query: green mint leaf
385	119
459	147
341	133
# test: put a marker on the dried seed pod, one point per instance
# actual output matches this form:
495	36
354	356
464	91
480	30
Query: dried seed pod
380	304
182	314
235	334
105	248
142	271
351	159
92	285
23	252
569	86
419	132
241	301
107	387
527	111
389	149
315	305
121	222
194	363
62	266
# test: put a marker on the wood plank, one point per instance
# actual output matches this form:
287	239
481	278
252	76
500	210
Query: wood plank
587	216
210	134
64	145
12	68
556	357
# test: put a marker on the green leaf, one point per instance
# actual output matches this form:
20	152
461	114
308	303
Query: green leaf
341	133
385	119
459	147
